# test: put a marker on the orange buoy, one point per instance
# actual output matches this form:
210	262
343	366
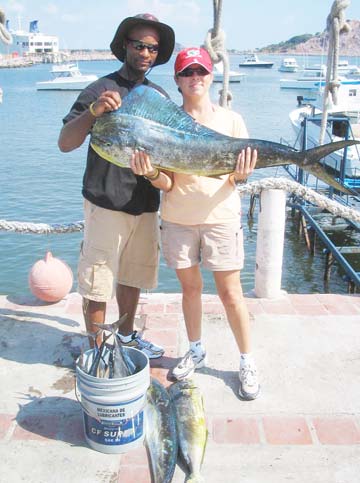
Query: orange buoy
50	279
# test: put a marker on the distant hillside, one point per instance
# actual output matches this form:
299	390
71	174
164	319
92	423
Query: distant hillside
318	43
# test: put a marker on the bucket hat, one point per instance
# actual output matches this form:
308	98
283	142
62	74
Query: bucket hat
166	33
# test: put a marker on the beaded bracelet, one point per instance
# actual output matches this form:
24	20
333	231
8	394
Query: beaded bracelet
154	176
91	109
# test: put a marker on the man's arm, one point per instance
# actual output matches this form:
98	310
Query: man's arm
74	132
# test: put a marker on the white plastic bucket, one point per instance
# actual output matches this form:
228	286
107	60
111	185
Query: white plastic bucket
113	408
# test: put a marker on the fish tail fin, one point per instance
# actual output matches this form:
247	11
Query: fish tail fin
315	154
114	326
310	161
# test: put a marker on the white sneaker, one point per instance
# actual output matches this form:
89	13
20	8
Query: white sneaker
188	364
249	386
152	350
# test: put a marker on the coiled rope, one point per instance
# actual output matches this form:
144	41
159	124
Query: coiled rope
304	192
215	45
335	24
5	35
253	188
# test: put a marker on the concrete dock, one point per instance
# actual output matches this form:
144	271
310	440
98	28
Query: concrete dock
305	426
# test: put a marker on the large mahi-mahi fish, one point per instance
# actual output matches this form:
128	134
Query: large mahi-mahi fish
149	121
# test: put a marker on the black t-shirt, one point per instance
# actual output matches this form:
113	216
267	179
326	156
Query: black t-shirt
105	184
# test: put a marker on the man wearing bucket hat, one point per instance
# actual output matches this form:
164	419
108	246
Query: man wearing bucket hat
120	245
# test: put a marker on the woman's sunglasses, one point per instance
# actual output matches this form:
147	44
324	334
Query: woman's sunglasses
201	71
138	45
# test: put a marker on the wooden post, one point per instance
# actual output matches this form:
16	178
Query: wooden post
270	243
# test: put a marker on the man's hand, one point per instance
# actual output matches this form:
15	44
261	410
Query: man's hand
108	101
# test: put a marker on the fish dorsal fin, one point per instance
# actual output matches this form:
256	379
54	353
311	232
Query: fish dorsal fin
148	103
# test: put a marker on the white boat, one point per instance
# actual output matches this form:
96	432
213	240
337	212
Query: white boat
233	75
343	122
343	67
252	60
66	77
312	79
289	64
353	73
1	95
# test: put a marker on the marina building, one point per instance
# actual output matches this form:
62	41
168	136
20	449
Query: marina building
30	43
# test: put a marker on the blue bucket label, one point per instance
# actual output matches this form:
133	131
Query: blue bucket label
113	413
119	433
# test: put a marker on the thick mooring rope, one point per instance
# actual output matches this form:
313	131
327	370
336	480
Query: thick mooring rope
40	228
335	25
252	188
5	35
215	45
301	191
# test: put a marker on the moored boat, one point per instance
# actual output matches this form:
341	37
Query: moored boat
252	60
233	75
343	123
289	64
313	79
66	77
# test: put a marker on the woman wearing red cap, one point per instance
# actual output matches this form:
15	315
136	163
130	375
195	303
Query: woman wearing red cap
201	222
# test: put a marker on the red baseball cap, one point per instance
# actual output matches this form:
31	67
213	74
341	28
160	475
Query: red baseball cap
193	55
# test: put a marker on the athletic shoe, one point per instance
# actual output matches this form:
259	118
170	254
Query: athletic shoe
153	351
188	364
249	386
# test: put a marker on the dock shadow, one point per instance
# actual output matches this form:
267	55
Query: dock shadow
25	339
55	418
230	378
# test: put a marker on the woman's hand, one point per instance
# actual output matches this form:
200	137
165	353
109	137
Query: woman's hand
106	102
141	165
245	165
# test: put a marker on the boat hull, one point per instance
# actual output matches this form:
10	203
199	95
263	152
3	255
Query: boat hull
261	65
232	77
71	84
312	84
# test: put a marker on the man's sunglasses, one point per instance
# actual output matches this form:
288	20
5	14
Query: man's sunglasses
201	71
139	45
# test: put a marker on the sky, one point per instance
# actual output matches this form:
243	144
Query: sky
248	24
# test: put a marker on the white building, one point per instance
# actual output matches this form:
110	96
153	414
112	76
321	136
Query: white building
31	42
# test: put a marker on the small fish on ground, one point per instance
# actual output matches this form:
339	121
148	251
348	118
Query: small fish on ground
160	433
149	121
191	425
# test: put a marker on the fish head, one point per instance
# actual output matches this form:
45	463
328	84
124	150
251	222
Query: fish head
183	388
112	138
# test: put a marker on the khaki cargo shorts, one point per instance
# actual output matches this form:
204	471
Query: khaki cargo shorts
218	247
117	248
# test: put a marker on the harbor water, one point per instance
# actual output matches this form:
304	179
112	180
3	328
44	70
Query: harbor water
41	184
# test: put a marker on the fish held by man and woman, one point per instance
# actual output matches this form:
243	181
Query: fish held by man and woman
149	121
